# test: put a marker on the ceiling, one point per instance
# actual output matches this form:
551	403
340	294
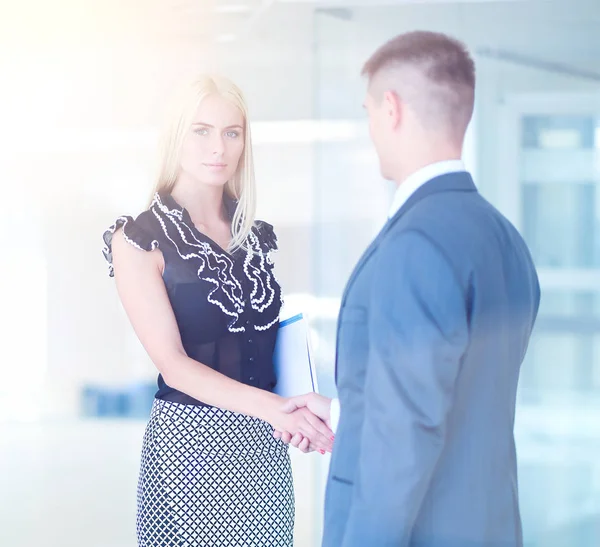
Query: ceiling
112	62
108	22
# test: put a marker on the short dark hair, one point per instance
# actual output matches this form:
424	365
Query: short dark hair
445	59
442	64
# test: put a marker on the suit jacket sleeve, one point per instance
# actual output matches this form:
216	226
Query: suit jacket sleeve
418	332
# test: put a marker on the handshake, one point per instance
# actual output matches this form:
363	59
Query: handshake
305	422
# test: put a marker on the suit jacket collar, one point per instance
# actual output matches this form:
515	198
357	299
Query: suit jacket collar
450	182
413	182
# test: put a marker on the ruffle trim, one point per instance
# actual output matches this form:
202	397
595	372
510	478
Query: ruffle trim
134	235
213	265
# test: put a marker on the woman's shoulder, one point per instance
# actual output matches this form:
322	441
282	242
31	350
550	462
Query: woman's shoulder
266	235
141	232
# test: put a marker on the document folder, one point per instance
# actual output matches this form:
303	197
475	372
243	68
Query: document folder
294	366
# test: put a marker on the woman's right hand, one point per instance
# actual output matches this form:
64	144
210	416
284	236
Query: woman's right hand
303	422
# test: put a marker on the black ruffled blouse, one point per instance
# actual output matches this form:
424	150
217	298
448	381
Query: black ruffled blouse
226	305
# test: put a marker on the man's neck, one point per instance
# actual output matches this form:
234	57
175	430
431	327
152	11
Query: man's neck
421	161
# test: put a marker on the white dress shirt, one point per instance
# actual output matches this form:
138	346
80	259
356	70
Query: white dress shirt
411	184
406	189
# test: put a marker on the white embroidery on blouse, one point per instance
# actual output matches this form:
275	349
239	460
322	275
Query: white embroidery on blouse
216	266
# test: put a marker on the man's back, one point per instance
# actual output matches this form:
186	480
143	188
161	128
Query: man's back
433	329
503	301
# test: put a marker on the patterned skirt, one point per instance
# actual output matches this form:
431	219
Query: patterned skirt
212	478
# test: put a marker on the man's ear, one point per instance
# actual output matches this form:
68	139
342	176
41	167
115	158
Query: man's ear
393	108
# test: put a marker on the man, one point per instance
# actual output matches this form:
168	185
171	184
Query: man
433	328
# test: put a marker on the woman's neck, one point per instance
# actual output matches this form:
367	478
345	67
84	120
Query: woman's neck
203	202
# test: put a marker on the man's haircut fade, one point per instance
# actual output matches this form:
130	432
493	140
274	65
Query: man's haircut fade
433	71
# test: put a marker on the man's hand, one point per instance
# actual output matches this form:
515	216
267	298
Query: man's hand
319	406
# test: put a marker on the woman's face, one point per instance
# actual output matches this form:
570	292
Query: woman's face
213	147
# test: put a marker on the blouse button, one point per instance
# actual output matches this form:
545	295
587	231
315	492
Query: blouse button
250	341
251	359
251	378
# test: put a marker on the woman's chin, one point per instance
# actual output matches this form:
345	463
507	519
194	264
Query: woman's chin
213	179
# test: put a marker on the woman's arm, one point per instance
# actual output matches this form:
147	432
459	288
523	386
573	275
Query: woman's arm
138	276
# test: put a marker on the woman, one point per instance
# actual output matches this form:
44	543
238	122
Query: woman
195	276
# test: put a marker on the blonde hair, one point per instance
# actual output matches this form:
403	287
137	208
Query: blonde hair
242	185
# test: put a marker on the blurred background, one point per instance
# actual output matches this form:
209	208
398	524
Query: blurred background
83	84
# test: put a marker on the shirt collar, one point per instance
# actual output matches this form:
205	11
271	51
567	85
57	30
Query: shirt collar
229	203
411	184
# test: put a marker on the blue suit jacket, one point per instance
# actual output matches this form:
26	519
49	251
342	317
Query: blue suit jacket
433	328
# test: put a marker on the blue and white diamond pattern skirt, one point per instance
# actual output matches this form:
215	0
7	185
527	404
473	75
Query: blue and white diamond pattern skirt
212	478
